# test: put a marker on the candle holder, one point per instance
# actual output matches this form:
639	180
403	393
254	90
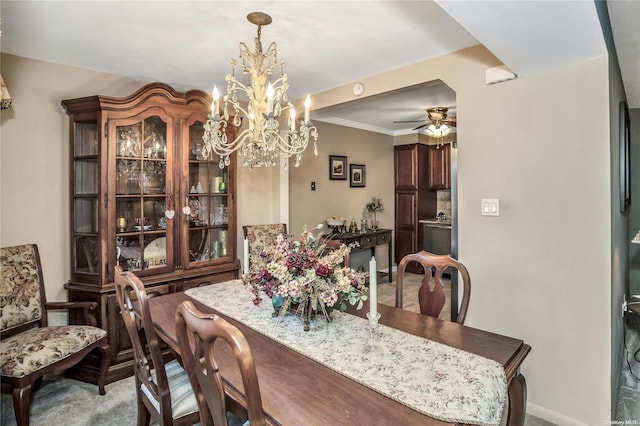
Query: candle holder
373	346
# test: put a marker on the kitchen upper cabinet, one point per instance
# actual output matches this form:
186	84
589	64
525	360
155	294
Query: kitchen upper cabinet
142	196
439	167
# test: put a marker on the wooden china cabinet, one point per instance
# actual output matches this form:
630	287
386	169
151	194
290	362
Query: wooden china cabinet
143	196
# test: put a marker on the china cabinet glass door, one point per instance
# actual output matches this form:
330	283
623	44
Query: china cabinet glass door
208	202
86	173
143	231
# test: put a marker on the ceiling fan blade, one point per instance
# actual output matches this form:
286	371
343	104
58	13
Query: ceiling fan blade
410	121
420	127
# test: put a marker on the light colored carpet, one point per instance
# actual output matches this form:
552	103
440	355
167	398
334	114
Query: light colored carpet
68	402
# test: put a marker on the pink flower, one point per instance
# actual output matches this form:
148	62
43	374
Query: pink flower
294	260
323	271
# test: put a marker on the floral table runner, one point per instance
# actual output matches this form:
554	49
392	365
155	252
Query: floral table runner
435	379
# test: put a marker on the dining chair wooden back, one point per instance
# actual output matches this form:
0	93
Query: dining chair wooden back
432	298
197	333
29	347
163	391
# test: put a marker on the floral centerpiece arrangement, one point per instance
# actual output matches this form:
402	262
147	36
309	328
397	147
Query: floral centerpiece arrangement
301	274
374	206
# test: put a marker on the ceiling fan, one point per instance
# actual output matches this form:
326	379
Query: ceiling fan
437	118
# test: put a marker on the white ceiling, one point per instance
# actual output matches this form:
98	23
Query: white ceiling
189	44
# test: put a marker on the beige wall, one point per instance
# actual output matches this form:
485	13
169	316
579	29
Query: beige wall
542	270
336	197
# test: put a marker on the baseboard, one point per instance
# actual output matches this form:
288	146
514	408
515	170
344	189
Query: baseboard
552	416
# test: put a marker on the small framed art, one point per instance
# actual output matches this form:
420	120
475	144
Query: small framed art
357	176
337	167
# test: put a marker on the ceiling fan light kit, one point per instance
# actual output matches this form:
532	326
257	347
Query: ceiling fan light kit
434	131
438	124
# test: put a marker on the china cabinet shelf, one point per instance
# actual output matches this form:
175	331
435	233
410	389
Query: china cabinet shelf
135	164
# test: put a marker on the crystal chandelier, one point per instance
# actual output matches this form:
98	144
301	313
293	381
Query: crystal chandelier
260	143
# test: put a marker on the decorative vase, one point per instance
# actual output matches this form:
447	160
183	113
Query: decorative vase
374	223
305	312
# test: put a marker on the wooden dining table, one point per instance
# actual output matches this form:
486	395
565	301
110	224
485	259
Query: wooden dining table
297	390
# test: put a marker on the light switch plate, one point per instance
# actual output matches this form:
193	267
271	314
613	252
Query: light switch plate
490	207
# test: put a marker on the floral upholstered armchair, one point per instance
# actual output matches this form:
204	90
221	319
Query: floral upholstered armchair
261	236
29	348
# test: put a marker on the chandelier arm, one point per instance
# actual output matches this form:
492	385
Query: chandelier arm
237	107
303	134
239	140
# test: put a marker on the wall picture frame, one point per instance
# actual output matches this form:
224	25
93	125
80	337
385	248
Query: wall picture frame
625	160
337	167
357	176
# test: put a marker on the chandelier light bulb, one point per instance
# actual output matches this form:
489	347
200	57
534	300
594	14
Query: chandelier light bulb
307	105
215	106
269	99
292	119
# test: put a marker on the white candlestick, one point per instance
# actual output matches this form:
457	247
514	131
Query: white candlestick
216	101
292	119
373	289
269	98
246	256
307	104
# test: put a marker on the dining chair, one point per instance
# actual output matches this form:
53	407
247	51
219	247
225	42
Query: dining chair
29	348
197	334
260	236
163	390
432	298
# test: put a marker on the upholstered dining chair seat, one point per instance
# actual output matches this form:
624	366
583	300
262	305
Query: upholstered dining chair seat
183	400
22	354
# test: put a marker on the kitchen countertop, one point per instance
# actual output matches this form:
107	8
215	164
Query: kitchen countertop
434	222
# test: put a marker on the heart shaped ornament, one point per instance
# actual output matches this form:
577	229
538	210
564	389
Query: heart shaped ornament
169	214
186	210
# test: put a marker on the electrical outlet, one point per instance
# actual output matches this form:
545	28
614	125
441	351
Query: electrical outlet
313	186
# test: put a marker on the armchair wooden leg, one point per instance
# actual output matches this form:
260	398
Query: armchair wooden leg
21	404
105	356
517	401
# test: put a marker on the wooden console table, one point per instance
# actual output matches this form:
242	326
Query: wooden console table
369	240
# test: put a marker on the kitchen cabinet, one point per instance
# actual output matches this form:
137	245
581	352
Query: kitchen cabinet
413	199
439	167
135	163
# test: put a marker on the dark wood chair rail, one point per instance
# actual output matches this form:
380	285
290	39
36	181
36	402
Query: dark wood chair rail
297	390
